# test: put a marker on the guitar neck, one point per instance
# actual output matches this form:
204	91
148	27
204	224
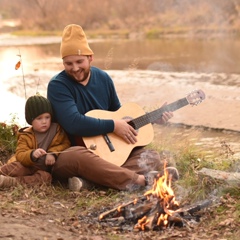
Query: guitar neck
156	114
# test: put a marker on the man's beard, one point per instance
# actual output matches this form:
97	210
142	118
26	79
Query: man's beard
84	78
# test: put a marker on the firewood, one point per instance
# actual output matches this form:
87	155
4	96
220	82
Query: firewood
143	209
230	177
195	207
117	211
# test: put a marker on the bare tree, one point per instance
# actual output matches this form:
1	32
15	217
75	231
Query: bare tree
133	15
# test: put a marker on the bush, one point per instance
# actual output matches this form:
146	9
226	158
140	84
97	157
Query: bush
8	138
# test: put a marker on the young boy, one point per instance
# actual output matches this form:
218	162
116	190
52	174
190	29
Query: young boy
38	147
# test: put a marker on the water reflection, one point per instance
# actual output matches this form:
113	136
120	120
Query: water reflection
171	55
217	55
163	55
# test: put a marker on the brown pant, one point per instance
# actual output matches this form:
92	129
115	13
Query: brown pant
80	162
30	176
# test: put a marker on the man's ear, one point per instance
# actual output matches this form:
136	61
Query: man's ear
90	57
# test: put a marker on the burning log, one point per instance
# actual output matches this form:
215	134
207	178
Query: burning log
120	210
195	208
152	220
157	209
150	215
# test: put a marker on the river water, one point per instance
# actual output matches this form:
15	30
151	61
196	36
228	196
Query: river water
180	55
192	57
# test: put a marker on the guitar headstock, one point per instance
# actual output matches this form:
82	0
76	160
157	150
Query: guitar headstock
195	97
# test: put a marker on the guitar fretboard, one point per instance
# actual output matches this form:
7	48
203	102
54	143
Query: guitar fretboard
156	114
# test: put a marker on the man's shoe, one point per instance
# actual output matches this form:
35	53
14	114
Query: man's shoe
172	174
150	176
76	184
7	182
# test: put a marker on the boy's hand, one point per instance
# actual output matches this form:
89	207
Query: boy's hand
50	159
39	153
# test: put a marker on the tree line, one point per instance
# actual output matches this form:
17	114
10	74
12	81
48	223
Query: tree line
134	15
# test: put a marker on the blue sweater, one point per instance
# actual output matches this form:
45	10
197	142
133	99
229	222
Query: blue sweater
71	100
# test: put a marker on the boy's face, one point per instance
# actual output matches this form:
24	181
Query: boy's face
42	122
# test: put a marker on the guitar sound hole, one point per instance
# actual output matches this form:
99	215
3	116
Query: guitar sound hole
131	123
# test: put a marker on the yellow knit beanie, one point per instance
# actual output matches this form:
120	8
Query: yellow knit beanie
74	41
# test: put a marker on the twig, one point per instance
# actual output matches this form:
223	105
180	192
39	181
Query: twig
120	208
23	77
37	85
65	151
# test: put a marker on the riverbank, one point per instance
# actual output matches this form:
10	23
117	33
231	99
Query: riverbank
150	89
219	110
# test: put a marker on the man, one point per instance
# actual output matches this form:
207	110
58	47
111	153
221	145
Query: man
75	91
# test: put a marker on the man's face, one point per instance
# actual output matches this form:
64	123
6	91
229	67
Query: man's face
78	67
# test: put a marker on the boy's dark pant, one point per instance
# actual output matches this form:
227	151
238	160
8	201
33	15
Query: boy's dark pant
30	176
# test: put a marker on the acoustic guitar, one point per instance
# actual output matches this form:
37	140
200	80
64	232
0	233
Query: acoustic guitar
114	149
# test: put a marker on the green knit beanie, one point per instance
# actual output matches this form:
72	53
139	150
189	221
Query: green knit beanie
35	106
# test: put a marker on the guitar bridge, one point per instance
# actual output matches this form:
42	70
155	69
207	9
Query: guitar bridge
109	143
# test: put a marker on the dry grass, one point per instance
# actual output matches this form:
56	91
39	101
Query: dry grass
74	215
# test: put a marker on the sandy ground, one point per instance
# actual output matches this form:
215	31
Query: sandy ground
220	109
150	89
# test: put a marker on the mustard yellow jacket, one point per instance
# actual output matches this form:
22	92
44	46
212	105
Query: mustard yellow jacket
27	143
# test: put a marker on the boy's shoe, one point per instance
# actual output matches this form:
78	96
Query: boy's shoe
76	184
172	174
7	182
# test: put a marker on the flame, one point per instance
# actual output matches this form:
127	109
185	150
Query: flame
162	190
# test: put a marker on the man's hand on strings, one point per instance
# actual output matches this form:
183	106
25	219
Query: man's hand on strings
165	116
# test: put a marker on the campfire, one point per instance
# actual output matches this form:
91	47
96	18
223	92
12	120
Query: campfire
157	209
